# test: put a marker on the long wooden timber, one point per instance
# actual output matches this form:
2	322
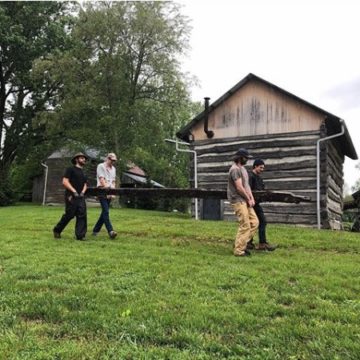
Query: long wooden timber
263	196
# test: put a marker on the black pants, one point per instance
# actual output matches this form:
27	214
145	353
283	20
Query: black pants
74	207
262	223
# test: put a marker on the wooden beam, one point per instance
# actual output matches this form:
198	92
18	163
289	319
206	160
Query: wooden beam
264	196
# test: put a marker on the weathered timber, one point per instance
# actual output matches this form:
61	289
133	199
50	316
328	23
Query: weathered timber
215	176
264	196
261	139
268	154
284	208
279	166
225	146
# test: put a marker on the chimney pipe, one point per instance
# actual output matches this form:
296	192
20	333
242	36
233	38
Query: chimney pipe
208	132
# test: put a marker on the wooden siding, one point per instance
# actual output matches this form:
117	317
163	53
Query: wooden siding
290	166
257	109
334	185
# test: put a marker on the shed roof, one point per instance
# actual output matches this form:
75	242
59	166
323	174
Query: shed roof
142	179
332	121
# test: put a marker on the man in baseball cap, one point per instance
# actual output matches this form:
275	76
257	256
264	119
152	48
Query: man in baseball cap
242	200
242	152
106	179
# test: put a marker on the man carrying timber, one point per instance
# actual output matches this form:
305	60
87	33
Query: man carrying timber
242	200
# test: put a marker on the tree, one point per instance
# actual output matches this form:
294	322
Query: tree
29	32
124	90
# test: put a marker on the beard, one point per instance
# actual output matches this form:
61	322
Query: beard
243	161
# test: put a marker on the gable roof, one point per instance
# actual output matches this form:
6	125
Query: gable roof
332	122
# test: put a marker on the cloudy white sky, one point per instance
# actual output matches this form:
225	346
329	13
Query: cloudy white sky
309	48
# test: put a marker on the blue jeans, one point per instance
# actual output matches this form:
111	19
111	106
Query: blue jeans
104	216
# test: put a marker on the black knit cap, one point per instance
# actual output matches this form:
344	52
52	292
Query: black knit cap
258	162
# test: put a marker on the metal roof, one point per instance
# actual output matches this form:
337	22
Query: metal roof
142	180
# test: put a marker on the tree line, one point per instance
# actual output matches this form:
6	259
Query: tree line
106	75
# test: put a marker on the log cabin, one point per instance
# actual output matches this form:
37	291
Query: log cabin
303	147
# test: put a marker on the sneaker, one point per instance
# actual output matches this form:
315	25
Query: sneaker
80	238
266	247
113	234
94	233
56	235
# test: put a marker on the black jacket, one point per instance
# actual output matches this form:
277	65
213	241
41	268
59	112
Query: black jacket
256	182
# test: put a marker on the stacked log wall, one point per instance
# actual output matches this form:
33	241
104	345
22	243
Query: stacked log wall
334	186
290	166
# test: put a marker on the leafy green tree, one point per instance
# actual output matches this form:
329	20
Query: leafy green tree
124	64
29	32
124	90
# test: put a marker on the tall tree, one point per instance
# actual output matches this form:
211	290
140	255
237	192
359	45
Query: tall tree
29	31
124	65
124	90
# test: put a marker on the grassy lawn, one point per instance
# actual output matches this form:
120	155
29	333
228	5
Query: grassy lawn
169	288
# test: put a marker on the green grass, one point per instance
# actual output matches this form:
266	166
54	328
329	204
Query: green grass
169	288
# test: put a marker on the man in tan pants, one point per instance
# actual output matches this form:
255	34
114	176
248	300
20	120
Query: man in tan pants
241	198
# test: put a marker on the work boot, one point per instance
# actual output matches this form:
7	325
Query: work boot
250	245
245	253
266	247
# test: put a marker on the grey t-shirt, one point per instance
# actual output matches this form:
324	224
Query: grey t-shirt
235	173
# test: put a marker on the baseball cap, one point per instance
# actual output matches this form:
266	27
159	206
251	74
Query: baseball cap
112	156
243	152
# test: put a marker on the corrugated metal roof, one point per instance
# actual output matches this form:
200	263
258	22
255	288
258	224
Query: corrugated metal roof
143	180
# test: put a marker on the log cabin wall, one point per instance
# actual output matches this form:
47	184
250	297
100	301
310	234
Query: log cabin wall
283	130
290	166
334	182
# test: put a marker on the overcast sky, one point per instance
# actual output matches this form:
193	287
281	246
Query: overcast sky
309	48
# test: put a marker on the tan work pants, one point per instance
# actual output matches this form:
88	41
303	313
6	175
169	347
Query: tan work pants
248	224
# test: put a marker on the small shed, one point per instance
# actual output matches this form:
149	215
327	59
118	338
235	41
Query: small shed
303	146
135	177
54	168
59	160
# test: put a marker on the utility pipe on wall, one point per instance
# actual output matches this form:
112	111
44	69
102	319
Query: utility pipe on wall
318	208
45	182
195	167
